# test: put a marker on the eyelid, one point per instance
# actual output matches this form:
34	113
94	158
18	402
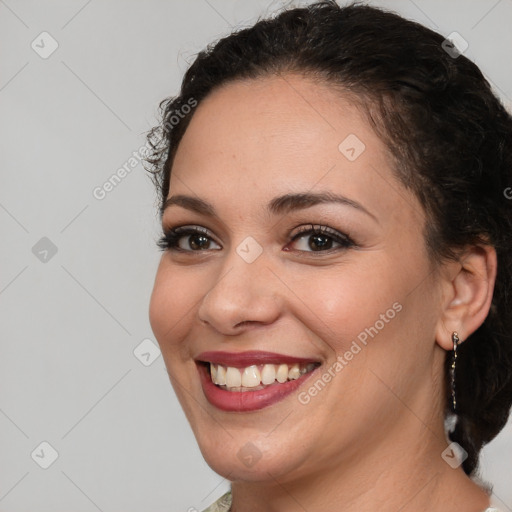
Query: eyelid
187	228
178	232
343	240
321	229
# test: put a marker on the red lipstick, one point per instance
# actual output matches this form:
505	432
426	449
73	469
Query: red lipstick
243	359
250	400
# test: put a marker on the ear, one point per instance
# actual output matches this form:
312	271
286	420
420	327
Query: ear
468	287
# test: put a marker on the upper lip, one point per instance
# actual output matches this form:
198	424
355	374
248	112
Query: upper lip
249	358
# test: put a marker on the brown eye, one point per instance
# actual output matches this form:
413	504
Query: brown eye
320	239
195	242
187	239
320	242
314	243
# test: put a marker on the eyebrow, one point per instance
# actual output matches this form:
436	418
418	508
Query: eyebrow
279	205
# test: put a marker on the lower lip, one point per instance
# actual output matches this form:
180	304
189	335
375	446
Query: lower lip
242	401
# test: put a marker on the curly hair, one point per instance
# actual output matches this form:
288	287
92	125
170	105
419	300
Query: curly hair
448	135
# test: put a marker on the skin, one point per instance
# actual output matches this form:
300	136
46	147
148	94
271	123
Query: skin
373	437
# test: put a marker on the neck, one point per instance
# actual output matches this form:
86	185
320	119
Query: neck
407	473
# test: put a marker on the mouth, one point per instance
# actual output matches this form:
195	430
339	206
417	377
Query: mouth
251	380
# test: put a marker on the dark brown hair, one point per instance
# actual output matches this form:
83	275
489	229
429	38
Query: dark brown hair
448	134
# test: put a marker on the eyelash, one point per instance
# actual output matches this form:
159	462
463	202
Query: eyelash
342	239
171	237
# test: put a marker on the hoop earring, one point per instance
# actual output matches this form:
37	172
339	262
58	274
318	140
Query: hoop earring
455	339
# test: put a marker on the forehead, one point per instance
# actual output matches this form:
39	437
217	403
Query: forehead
273	135
274	113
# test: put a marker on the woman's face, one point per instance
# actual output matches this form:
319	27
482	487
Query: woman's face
310	254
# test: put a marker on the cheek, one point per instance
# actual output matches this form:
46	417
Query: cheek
172	302
351	299
377	309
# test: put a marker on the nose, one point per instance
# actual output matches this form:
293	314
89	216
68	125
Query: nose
243	295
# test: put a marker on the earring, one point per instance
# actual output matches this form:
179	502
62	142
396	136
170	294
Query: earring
455	339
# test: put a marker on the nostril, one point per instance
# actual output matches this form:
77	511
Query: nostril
246	322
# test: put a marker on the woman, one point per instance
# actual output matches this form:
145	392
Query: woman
333	302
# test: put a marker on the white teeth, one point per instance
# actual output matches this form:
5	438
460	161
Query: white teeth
282	373
221	375
233	377
268	374
236	379
294	372
251	377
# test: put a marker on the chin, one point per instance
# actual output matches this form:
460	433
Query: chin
251	460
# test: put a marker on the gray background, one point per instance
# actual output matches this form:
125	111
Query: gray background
72	320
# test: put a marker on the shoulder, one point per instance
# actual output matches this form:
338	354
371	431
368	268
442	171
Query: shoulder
223	504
